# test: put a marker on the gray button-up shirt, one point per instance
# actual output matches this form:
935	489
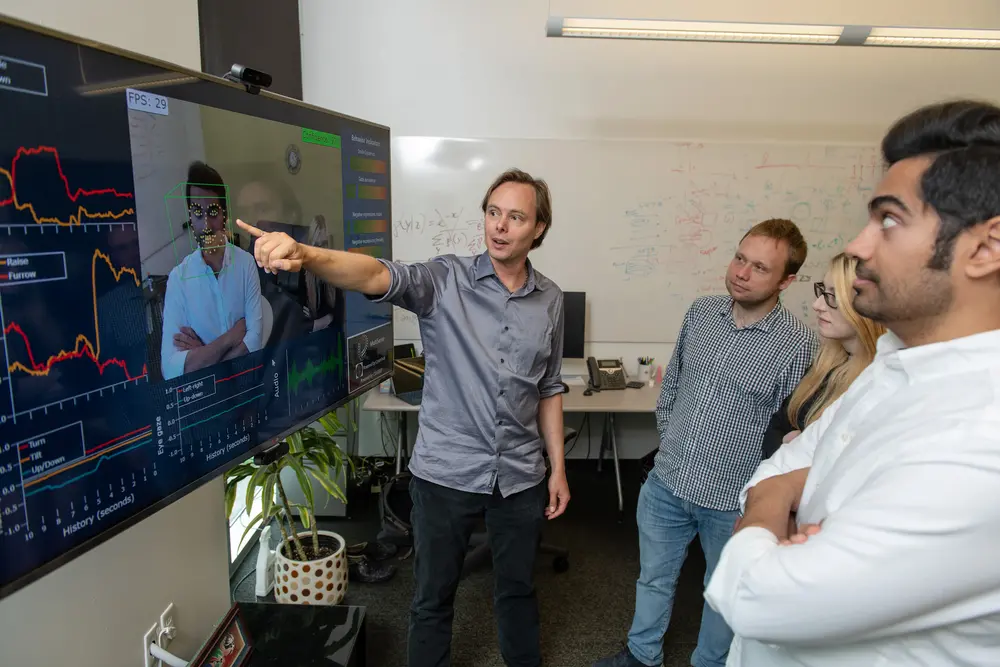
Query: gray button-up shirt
490	357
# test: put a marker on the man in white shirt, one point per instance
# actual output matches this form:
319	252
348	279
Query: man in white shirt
212	309
894	493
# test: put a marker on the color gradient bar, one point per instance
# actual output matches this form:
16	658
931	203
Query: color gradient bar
369	227
371	250
354	191
368	165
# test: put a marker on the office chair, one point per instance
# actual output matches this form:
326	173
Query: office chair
480	541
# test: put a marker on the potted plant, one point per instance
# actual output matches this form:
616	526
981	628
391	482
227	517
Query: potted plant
310	565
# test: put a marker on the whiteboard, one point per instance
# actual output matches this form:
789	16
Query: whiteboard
643	227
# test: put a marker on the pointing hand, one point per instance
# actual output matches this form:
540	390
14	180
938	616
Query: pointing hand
274	251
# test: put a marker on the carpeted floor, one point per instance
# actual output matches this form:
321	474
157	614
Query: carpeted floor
585	612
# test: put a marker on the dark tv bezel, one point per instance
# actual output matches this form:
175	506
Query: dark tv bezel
154	83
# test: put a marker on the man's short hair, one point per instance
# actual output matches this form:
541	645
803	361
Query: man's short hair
543	199
963	182
781	229
204	176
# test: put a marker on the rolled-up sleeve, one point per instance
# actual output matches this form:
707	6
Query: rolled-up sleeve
414	287
551	382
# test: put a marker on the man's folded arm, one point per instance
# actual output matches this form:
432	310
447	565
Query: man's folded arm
793	455
913	550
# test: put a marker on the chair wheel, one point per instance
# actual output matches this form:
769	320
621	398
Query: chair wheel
560	564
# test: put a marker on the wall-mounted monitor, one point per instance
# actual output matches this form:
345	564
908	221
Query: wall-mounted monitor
143	351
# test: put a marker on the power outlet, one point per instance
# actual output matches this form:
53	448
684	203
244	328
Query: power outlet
168	625
149	638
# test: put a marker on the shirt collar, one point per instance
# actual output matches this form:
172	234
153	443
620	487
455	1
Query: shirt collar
226	258
765	323
925	362
482	267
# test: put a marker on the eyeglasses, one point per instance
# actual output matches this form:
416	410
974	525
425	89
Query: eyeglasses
829	297
198	211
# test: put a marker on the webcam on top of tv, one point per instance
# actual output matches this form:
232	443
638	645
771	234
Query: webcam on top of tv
252	79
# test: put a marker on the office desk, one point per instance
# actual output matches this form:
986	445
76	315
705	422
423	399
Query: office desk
608	403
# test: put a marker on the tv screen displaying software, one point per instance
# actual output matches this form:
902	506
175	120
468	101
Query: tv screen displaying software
144	350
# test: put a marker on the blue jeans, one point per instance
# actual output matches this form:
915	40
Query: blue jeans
667	525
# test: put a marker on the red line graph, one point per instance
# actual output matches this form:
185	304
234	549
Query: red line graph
82	347
72	195
114	440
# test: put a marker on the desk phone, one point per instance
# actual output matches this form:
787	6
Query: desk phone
606	374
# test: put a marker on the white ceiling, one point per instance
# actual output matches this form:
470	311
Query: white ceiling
485	68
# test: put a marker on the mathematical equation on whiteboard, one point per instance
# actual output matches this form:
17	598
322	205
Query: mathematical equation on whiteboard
702	221
440	232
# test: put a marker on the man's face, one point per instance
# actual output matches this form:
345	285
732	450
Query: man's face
256	201
208	217
895	284
757	271
510	222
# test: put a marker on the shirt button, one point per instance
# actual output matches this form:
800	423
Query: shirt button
501	392
501	361
506	328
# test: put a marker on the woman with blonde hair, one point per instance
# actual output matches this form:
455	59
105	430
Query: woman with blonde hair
848	347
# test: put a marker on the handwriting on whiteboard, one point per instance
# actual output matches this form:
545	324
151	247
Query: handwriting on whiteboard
440	232
672	238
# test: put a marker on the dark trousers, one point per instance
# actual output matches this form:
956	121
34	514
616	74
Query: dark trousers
443	520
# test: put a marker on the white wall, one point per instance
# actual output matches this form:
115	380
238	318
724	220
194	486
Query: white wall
481	68
94	610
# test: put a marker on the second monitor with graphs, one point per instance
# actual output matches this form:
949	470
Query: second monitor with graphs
144	350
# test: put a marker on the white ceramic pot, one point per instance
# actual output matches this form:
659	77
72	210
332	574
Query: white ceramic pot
321	582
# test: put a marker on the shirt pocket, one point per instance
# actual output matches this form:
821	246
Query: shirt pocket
532	347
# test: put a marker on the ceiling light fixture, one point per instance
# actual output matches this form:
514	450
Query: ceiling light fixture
772	33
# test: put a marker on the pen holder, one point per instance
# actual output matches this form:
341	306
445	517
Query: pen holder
644	373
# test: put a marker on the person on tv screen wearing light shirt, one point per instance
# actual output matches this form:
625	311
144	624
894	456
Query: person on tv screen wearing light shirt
895	490
212	309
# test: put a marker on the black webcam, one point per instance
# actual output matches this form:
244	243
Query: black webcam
252	79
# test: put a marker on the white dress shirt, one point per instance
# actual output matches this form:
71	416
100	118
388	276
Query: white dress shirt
211	306
905	478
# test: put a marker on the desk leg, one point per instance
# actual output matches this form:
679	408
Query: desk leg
614	451
401	441
605	444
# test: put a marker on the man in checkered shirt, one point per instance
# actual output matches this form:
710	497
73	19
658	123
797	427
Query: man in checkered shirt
736	359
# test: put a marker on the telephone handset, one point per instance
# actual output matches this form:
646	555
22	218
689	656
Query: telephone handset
606	374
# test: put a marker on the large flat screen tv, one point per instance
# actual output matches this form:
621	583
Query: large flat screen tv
143	351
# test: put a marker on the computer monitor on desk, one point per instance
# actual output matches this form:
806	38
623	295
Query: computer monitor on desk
574	324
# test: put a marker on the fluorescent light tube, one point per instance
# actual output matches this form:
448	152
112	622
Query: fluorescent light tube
934	38
773	33
770	33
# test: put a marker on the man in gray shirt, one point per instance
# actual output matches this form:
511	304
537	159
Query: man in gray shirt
492	329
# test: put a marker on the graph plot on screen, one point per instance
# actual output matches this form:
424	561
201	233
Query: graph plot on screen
97	341
34	189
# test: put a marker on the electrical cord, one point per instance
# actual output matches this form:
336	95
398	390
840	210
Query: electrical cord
166	657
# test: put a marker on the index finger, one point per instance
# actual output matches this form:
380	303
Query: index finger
250	228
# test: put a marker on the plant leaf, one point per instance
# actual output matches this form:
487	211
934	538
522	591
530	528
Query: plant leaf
295	441
255	481
231	497
305	516
300	472
267	496
253	522
329	485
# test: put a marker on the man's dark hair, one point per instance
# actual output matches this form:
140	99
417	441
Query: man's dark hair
203	176
543	198
963	182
